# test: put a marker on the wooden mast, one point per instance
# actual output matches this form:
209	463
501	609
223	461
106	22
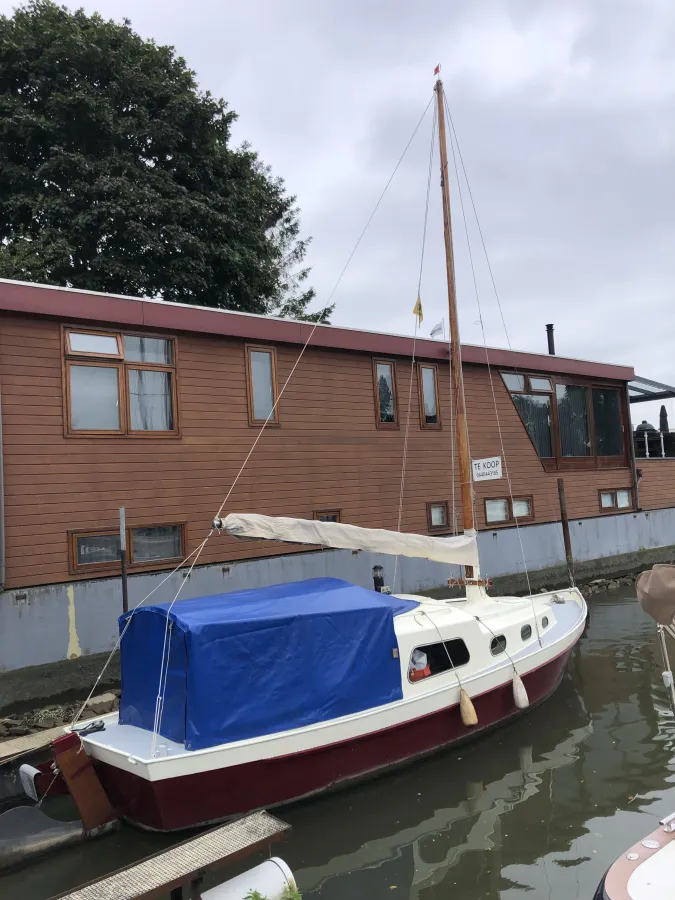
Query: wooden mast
455	349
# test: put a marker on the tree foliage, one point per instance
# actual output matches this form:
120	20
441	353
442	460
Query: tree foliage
117	174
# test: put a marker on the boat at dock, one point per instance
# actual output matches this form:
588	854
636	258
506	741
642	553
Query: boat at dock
253	699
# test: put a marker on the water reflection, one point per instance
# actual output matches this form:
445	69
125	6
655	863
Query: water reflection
542	806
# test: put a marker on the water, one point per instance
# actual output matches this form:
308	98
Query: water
540	808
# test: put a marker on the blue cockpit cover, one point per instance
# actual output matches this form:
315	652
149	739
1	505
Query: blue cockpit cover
261	661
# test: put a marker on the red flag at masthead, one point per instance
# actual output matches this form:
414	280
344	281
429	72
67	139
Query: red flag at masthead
437	69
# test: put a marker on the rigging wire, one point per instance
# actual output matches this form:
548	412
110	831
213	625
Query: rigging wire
160	698
487	357
412	361
492	277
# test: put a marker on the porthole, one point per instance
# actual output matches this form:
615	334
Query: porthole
526	632
498	645
544	622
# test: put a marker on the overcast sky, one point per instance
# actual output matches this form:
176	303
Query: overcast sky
565	113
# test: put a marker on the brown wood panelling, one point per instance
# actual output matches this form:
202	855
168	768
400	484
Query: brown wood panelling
327	452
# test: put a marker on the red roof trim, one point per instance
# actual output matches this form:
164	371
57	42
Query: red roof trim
63	303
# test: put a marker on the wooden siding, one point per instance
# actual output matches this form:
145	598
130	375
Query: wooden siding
657	485
327	452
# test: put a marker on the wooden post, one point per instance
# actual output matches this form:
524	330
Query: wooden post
455	347
566	529
123	560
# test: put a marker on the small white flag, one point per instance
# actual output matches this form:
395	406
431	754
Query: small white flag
438	329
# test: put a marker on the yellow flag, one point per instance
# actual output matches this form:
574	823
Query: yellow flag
417	311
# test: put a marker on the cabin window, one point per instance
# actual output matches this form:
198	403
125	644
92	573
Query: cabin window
526	632
327	515
135	395
433	659
571	425
159	542
437	515
498	645
386	402
146	546
621	498
261	365
544	622
427	377
506	510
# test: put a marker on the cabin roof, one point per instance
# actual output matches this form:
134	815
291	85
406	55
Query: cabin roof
144	312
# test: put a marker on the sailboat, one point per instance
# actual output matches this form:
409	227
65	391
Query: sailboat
257	698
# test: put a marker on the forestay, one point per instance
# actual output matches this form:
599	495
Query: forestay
460	550
261	661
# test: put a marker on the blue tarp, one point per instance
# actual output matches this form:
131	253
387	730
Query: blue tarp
261	661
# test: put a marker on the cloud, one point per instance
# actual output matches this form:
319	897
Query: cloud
566	118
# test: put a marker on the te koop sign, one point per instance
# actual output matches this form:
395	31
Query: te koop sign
484	469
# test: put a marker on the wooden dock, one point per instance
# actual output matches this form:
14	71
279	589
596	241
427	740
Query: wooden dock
182	865
16	747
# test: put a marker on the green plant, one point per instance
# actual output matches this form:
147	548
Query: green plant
288	894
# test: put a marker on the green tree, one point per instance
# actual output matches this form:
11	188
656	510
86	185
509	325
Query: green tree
117	174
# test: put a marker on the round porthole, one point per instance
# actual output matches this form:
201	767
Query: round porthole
544	622
526	632
498	645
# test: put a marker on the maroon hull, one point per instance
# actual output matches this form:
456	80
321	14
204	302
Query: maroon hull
192	800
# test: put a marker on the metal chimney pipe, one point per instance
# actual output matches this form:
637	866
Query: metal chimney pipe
551	342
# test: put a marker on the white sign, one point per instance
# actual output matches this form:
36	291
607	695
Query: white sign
487	468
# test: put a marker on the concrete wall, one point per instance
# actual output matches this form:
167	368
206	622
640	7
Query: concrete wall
71	621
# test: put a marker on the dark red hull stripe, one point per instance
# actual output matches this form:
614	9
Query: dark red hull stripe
190	800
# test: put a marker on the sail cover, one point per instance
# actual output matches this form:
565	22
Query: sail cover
460	550
261	661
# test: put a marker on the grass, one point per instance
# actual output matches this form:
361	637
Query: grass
288	894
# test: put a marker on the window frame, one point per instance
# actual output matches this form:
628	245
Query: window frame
558	462
439	529
115	567
511	520
252	421
451	668
615	508
317	513
376	390
434	426
69	358
98	333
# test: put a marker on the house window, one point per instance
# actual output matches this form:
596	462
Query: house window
386	404
570	425
127	386
572	403
498	645
327	515
501	510
434	659
261	366
607	417
427	379
437	515
95	550
155	543
621	498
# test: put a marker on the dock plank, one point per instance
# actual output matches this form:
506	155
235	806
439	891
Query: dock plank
15	747
158	874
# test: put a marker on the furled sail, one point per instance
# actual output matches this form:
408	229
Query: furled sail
460	550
